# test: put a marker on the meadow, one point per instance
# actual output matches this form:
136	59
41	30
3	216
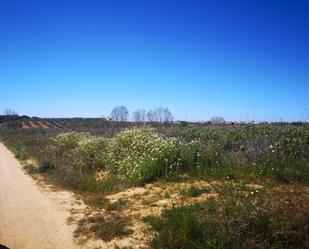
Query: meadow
225	186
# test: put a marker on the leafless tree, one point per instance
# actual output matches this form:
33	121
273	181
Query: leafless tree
10	112
120	113
217	120
151	116
167	116
160	114
139	115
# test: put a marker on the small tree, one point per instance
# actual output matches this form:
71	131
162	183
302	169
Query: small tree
217	120
139	115
120	113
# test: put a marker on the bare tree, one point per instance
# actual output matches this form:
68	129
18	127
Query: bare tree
167	116
217	120
120	113
139	115
151	116
10	112
160	114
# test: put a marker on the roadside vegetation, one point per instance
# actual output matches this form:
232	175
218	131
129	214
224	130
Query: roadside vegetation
101	160
239	217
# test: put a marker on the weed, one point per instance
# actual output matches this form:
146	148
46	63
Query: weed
105	228
195	191
102	202
30	169
234	220
90	184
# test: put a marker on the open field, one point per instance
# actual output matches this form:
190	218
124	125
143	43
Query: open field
179	185
159	124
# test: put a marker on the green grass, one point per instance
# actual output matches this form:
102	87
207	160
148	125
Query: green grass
101	202
105	228
195	191
90	184
239	218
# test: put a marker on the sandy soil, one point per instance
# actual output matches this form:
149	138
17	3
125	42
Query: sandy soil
31	217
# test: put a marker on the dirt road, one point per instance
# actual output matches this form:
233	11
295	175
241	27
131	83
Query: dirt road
29	218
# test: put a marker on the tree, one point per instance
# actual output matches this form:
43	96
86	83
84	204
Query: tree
160	114
139	115
217	120
167	116
120	113
150	116
10	112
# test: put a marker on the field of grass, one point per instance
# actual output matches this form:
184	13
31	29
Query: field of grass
179	185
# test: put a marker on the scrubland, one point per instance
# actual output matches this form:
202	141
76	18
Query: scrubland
178	185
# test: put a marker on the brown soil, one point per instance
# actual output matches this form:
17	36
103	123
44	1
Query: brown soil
24	125
33	124
42	124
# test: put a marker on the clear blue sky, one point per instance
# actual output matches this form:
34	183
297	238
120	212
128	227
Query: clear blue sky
237	59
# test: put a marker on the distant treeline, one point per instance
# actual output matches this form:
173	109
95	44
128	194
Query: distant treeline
6	118
122	114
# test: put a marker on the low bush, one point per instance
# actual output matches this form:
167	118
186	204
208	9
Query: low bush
76	156
90	184
287	169
45	167
137	156
141	155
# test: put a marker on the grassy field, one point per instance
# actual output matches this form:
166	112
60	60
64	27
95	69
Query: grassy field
181	185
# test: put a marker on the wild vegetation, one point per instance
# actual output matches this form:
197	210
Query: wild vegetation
240	217
103	157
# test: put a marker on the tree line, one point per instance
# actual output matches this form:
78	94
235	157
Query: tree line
121	114
160	115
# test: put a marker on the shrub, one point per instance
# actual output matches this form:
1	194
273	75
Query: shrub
288	169
90	184
93	153
76	156
45	166
191	155
141	155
